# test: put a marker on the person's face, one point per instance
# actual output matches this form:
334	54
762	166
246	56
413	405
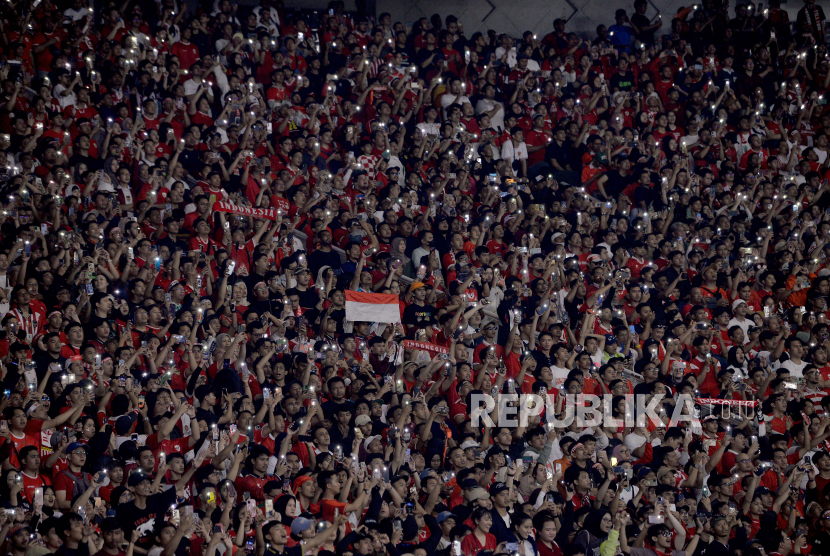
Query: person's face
78	457
147	460
76	530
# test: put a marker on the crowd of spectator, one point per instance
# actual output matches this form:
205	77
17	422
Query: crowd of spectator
192	194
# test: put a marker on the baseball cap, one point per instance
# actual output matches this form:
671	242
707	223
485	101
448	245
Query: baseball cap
737	303
369	440
75	445
477	493
663	472
301	524
138	478
444	516
497	488
361	420
18	528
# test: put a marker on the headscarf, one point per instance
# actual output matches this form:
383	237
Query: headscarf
281	505
397	251
321	281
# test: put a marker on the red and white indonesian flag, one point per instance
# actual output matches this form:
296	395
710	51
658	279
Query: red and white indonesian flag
372	307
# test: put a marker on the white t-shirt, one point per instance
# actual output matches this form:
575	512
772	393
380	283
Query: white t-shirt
190	87
796	370
497	120
448	99
511	55
744	324
559	375
511	151
68	100
75	15
429	129
634	441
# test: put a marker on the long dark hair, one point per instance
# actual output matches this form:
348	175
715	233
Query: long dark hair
516	521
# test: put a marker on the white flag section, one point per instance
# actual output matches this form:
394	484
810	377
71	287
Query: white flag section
372	307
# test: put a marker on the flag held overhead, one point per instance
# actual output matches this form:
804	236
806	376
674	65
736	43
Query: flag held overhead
372	307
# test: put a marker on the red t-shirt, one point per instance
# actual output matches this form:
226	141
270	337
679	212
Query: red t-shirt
18	444
187	54
64	483
32	483
471	546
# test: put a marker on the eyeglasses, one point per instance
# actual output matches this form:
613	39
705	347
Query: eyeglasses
666	533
